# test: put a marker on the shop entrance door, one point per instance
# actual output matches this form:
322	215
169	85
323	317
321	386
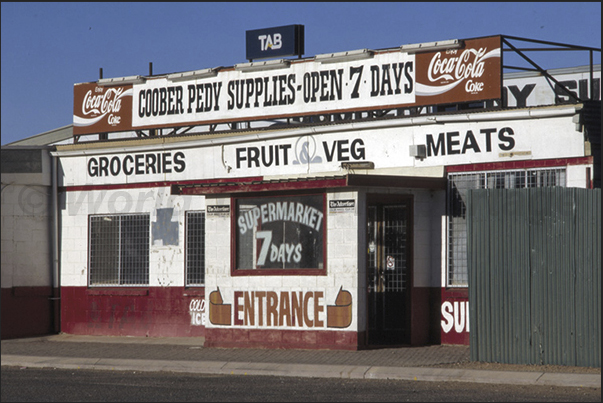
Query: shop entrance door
388	269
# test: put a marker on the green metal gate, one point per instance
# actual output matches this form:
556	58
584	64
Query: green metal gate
534	260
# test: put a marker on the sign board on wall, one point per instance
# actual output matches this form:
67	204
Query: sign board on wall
531	89
275	42
283	233
452	143
472	73
271	309
99	109
389	79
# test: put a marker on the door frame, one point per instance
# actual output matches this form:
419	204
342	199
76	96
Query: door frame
378	199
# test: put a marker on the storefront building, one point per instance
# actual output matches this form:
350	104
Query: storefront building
337	223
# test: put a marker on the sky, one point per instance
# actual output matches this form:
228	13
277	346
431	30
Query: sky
48	47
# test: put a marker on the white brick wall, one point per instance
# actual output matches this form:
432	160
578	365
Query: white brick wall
576	176
429	207
166	262
26	229
341	271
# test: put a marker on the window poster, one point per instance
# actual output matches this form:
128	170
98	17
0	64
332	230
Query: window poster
284	233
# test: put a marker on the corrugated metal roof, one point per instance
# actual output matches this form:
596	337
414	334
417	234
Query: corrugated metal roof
46	138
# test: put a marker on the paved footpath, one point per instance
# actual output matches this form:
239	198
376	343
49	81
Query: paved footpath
429	363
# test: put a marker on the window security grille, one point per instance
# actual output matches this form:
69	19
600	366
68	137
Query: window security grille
195	248
458	186
119	250
395	247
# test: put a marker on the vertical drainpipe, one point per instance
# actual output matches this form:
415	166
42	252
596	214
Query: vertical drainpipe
56	285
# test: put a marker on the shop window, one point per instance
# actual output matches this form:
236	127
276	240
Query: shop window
458	186
119	250
195	248
280	234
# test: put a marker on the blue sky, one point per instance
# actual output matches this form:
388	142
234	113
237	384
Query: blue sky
48	47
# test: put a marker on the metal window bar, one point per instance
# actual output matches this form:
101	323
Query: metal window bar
195	248
458	186
395	236
119	250
372	248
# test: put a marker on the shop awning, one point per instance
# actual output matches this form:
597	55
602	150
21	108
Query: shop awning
322	182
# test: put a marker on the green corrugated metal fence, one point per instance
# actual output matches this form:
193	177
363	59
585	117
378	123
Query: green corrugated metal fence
534	259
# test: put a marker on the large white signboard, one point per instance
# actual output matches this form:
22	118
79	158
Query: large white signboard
453	143
301	88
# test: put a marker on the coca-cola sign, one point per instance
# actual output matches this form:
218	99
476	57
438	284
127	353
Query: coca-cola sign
98	109
471	73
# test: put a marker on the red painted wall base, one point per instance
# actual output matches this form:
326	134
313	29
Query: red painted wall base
27	312
142	312
177	312
282	339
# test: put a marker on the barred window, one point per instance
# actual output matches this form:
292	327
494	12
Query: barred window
119	250
195	248
458	186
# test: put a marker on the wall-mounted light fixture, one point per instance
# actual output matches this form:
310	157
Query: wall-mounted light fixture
344	56
192	75
121	80
432	46
418	151
259	66
358	165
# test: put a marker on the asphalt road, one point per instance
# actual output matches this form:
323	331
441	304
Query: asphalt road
46	384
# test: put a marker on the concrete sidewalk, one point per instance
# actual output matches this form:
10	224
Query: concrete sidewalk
429	363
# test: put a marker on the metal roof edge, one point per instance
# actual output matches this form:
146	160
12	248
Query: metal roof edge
321	182
46	138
